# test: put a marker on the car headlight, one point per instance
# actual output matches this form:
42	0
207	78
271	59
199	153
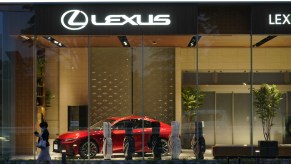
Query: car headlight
70	139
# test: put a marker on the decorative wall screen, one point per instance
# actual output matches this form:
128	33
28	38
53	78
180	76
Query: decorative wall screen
116	83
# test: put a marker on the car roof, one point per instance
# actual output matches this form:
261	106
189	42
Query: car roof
136	117
139	117
113	118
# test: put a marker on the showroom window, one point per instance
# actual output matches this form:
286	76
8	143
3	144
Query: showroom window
135	68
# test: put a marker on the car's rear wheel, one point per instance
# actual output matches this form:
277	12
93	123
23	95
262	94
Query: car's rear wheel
165	147
83	150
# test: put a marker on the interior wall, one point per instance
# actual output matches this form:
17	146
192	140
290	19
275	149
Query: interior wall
230	60
74	61
52	84
116	88
23	104
235	59
158	96
73	81
110	83
110	67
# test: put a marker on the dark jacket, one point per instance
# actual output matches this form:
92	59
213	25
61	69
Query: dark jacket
45	136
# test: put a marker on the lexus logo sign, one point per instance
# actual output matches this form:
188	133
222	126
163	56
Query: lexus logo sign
71	23
77	19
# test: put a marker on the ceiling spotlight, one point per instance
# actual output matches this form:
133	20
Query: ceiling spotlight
194	41
54	41
263	41
123	40
24	37
47	37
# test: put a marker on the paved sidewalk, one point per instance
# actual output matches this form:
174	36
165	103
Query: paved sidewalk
187	154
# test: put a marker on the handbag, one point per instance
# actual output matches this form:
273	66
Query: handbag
41	144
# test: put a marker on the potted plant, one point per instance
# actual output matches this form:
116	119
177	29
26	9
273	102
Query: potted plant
48	97
192	99
267	101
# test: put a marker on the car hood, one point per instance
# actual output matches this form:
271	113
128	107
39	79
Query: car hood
77	134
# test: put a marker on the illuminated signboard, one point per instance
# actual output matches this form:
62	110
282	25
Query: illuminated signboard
271	19
69	20
279	19
114	19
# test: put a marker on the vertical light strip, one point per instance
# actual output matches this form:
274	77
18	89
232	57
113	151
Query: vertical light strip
232	120
196	107
251	83
34	56
286	115
142	92
2	84
131	58
59	91
214	118
89	95
197	82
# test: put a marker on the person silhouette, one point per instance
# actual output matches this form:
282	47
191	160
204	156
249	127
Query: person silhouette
44	155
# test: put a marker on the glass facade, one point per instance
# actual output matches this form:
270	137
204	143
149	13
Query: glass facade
76	81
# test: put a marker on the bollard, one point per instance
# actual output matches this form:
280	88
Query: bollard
64	157
155	141
107	141
128	142
174	141
198	141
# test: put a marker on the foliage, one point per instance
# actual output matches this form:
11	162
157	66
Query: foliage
40	67
267	101
192	98
48	97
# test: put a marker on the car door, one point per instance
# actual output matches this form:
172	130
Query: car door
137	133
117	136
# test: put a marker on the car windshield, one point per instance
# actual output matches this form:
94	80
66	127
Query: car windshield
99	125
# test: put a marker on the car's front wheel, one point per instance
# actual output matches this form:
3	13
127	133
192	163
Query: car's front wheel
165	147
83	150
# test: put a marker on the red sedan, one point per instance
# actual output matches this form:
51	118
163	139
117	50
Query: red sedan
76	142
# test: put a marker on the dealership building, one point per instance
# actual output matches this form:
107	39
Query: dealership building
75	64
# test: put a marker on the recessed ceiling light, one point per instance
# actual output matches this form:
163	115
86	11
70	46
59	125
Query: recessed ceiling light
124	41
193	41
54	41
24	37
263	41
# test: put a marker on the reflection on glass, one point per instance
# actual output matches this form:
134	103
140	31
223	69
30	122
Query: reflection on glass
271	60
99	124
16	80
224	66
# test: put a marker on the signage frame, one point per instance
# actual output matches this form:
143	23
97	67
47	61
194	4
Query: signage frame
49	23
263	15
